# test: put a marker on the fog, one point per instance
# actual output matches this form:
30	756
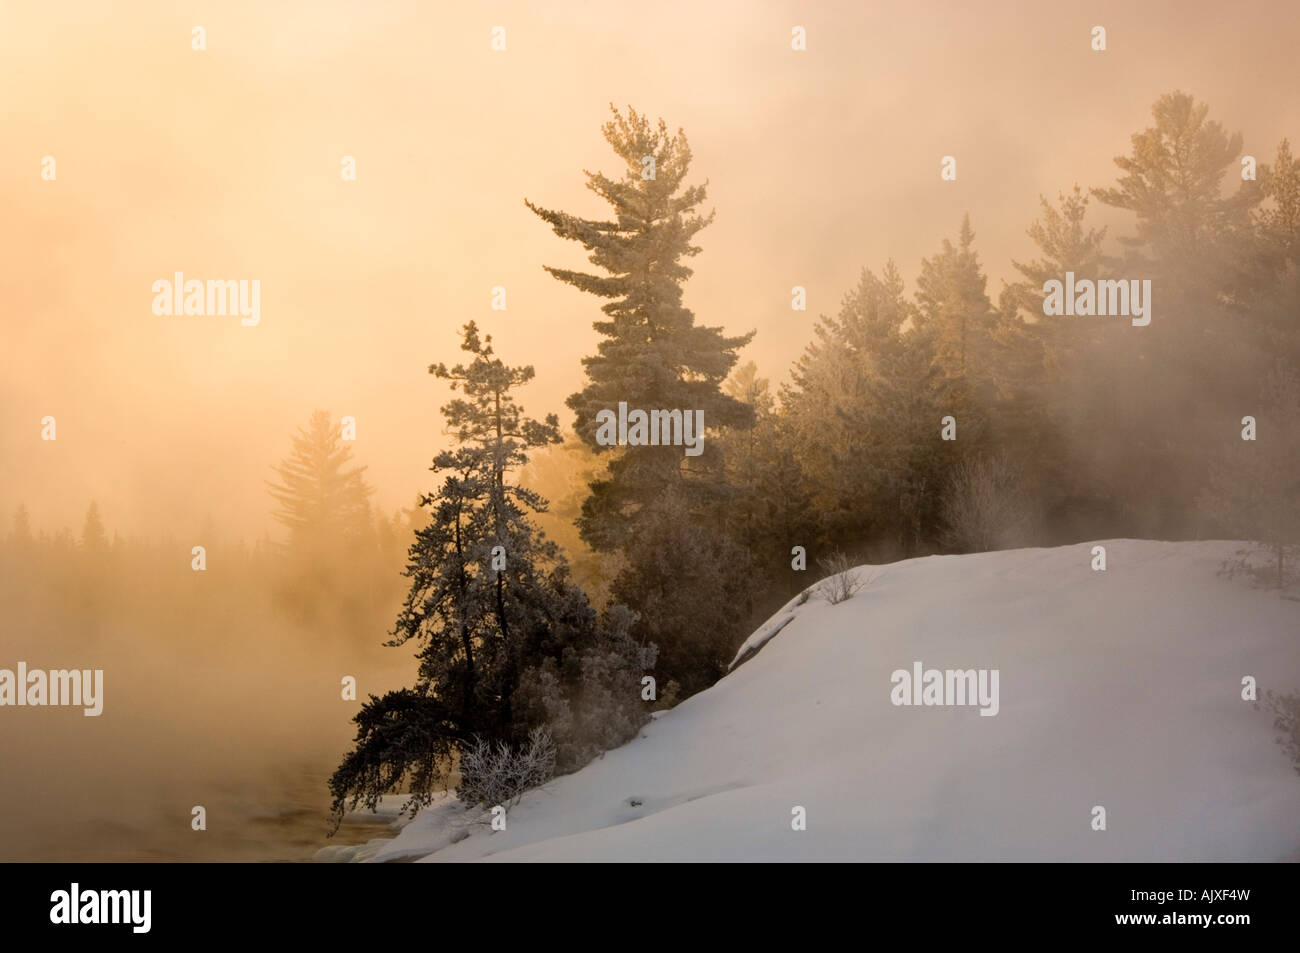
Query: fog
226	164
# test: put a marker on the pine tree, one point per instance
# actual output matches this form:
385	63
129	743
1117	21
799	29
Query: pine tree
1279	219
1270	292
564	474
1189	237
1065	244
664	513
654	355
1172	183
323	501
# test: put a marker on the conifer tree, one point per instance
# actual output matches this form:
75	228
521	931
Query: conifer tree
955	312
664	513
1172	182
478	565
1269	295
21	534
1181	182
1064	243
774	507
1279	220
489	607
1254	487
93	537
322	500
862	409
653	355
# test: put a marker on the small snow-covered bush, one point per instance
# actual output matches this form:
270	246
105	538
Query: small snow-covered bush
498	774
844	580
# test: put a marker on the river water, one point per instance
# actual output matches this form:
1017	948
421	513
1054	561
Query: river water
248	726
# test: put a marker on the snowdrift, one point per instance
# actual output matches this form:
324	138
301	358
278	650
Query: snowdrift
1119	689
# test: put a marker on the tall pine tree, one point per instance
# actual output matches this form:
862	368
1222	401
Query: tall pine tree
664	512
654	355
1181	182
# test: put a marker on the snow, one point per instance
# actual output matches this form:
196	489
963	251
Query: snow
1119	689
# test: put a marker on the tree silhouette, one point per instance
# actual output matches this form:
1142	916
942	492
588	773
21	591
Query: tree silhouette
321	499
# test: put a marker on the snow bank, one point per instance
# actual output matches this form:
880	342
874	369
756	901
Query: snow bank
387	812
1119	689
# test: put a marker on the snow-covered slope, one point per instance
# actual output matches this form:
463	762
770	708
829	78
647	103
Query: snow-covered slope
1120	689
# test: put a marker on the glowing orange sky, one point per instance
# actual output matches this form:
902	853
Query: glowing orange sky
225	164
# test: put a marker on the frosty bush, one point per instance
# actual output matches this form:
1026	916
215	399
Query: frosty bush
844	580
1264	565
1286	719
985	506
590	697
498	774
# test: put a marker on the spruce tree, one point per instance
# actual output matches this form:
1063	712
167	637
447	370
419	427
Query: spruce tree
322	500
955	312
490	608
862	411
477	567
774	506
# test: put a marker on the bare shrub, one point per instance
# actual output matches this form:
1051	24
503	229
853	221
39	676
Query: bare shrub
843	580
498	774
986	506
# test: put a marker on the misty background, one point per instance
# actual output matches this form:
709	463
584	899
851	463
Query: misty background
226	164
